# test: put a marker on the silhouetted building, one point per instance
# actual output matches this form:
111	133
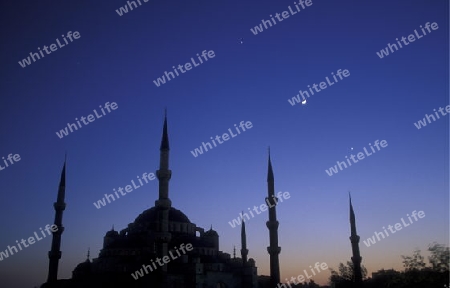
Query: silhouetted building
382	272
156	233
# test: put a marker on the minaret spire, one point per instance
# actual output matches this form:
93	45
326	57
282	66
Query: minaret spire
354	239
270	172
163	204
55	254
165	137
274	250
244	250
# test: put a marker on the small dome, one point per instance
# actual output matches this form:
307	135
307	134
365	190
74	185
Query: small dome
112	233
211	232
82	269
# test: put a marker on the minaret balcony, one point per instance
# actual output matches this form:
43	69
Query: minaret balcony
357	259
272	225
354	239
273	250
164	174
59	231
59	206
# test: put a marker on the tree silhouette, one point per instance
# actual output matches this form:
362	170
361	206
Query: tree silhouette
344	276
413	263
440	257
416	274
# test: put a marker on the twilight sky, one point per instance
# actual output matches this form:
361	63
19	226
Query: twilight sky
117	58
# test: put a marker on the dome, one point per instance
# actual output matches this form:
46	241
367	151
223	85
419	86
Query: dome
85	266
211	232
82	269
151	215
112	233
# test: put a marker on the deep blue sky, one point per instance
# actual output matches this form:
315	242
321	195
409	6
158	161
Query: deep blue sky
118	57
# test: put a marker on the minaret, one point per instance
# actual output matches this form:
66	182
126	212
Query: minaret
244	250
55	254
163	204
354	239
272	225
